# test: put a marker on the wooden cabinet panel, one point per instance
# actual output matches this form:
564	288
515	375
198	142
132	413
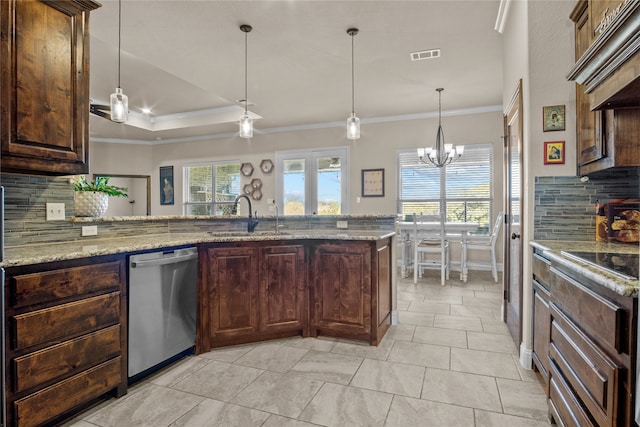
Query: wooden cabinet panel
44	86
599	318
541	331
384	285
66	358
564	403
541	270
30	289
282	287
66	320
38	408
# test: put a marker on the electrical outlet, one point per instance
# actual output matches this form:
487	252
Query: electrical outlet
89	230
55	211
342	224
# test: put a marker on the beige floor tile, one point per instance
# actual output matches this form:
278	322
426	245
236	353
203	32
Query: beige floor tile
494	326
459	388
492	419
400	332
444	299
403	305
228	354
214	413
495	294
411	296
473	311
413	318
491	342
319	344
416	412
155	406
396	378
280	394
525	374
178	371
337	405
272	357
440	336
278	421
363	349
413	353
457	322
323	366
429	307
523	398
218	380
484	363
483	302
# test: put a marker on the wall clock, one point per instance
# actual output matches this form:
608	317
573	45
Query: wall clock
246	169
266	166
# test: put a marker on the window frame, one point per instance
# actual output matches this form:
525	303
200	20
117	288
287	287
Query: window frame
213	203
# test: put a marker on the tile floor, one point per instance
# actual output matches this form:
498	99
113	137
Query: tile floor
450	362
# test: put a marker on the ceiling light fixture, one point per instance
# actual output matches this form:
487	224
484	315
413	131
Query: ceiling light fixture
119	101
443	154
353	122
246	122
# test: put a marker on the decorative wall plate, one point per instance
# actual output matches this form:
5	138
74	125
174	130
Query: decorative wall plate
256	194
256	183
246	169
247	189
266	166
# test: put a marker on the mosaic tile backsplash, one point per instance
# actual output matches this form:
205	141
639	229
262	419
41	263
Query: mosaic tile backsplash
565	206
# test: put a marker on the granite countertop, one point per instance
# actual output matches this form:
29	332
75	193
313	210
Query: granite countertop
552	249
88	247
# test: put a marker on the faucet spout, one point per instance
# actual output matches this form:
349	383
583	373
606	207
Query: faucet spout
253	222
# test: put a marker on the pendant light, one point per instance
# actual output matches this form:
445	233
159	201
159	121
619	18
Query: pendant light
353	122
442	154
246	122
119	101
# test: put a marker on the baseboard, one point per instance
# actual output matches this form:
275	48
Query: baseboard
395	317
526	357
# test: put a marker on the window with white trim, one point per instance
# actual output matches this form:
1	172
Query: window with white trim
462	189
211	188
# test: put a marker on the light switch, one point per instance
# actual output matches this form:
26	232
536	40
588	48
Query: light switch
55	211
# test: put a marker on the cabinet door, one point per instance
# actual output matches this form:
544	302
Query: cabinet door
541	331
44	89
342	300
232	275
282	288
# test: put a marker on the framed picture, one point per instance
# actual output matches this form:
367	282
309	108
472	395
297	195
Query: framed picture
166	185
554	153
372	182
553	118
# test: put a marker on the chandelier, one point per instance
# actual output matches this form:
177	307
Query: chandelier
442	154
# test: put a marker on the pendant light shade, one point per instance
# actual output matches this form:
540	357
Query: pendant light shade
442	154
119	102
246	122
353	122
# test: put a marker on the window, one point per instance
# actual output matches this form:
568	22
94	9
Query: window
211	188
312	182
462	189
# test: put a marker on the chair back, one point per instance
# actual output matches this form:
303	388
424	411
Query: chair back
496	228
436	235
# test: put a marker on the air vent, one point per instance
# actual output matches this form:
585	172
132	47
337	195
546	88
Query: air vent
425	54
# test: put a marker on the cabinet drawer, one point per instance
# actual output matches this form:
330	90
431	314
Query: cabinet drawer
29	289
597	316
564	403
541	268
589	372
65	358
40	407
66	320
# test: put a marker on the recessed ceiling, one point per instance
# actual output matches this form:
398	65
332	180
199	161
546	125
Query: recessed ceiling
185	59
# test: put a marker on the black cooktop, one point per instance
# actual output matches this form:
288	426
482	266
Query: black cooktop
625	265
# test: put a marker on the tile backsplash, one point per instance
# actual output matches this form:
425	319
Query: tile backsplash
565	206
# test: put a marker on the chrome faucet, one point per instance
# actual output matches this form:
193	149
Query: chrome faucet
253	222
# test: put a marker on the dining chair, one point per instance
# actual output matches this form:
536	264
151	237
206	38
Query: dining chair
430	242
405	249
482	243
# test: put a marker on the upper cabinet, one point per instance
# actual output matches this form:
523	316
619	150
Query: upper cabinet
44	86
607	75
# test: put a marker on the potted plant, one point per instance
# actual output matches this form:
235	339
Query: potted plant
92	198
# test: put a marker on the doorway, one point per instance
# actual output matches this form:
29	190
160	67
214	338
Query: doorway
139	190
512	306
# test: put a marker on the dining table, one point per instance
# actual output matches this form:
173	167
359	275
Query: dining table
405	230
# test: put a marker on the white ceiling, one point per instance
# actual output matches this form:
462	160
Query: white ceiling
188	57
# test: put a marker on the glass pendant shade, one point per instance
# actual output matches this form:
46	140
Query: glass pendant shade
353	127
119	106
246	126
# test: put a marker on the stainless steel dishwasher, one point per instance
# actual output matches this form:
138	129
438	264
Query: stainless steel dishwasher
162	307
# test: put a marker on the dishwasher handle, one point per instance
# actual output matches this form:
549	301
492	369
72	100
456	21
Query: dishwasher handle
164	261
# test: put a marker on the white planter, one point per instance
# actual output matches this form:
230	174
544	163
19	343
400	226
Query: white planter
90	203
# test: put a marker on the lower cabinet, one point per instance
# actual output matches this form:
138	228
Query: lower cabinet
65	337
584	343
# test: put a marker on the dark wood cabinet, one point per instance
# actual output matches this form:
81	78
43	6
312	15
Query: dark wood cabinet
256	291
351	292
44	86
584	342
66	337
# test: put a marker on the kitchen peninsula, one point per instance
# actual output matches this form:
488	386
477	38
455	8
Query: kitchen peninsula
302	280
